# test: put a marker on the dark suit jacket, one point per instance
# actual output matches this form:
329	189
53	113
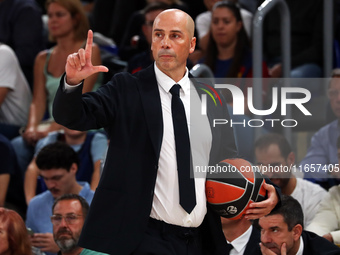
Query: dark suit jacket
129	108
317	245
252	246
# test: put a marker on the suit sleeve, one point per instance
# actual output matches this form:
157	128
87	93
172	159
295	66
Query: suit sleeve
91	110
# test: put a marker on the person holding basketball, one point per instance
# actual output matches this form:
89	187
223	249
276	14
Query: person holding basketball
141	205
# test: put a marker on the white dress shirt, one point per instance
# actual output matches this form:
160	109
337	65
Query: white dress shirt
240	243
166	205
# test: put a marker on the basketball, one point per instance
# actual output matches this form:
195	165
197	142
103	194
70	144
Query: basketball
233	186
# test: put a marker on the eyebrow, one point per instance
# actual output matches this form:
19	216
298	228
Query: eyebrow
172	31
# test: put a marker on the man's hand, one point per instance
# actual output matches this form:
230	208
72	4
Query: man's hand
267	251
45	242
79	65
276	71
260	209
328	237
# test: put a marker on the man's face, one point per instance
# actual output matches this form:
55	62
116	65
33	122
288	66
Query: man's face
59	181
274	165
334	95
66	233
172	42
274	232
147	27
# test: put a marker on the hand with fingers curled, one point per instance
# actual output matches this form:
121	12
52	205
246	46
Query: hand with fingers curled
267	249
260	209
79	65
45	242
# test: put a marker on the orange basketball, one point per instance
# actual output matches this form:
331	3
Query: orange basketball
235	184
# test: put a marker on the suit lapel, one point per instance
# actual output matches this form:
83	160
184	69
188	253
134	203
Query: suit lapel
151	102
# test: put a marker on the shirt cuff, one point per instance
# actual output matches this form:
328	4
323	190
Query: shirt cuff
69	88
336	236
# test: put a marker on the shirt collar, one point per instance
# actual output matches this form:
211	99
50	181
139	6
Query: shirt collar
166	82
300	251
240	242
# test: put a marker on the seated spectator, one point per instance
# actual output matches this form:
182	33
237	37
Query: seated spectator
145	58
241	237
326	222
204	19
68	26
11	183
306	19
282	232
90	147
322	151
228	53
69	213
14	238
273	150
58	164
15	94
22	30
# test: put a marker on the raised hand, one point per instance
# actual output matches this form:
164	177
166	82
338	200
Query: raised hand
79	65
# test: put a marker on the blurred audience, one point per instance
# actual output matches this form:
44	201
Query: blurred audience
11	182
14	238
228	53
276	160
306	19
110	18
326	222
143	59
322	152
90	147
21	29
58	164
68	26
69	213
204	20
282	232
15	94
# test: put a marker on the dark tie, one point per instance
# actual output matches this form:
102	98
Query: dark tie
187	197
229	247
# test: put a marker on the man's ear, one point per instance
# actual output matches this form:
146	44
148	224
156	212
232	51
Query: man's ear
74	168
192	45
291	158
297	231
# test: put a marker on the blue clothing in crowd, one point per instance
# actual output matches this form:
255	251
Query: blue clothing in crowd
322	152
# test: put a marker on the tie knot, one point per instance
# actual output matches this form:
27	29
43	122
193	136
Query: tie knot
175	90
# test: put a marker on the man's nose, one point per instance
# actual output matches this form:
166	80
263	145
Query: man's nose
63	223
50	184
165	43
265	238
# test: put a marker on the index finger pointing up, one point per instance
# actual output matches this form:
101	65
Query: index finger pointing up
88	46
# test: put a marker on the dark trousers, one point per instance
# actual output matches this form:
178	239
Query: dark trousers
166	239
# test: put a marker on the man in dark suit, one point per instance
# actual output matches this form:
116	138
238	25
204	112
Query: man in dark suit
241	238
137	207
282	233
